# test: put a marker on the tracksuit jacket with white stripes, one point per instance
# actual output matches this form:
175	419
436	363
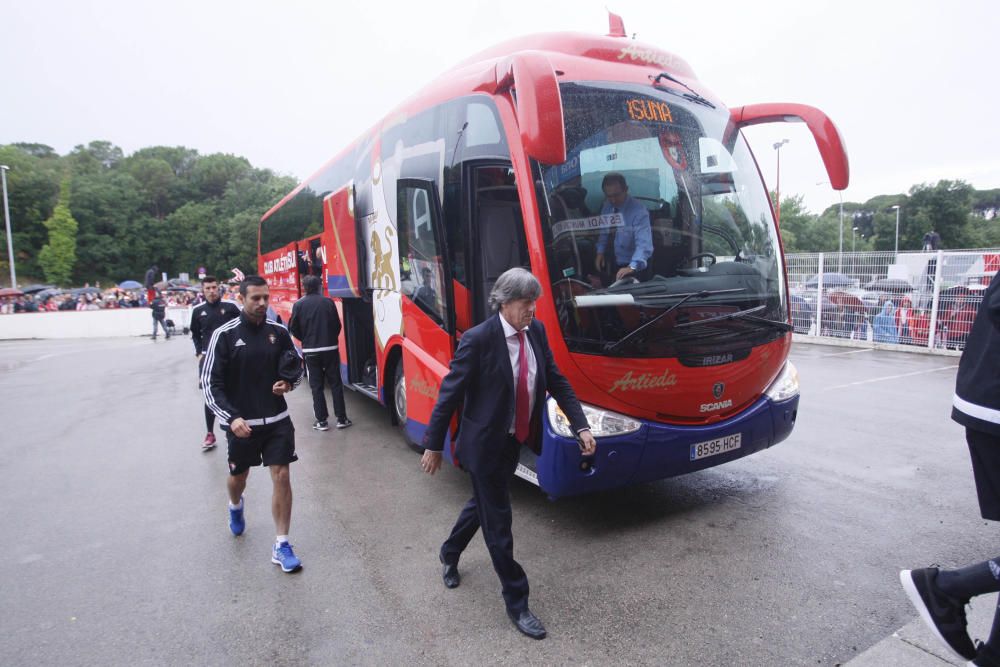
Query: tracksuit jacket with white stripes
206	318
241	367
976	404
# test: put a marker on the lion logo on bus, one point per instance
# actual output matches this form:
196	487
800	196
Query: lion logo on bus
382	276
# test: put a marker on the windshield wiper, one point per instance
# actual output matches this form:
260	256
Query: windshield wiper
747	314
683	298
692	96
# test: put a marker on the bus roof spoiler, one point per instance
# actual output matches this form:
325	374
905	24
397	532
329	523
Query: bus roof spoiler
539	104
828	139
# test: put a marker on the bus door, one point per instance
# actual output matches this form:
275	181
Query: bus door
497	229
309	260
427	304
342	256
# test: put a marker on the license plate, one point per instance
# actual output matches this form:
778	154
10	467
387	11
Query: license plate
727	443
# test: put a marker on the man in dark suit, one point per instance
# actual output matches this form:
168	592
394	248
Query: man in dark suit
501	371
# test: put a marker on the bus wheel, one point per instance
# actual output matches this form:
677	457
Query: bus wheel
399	405
399	396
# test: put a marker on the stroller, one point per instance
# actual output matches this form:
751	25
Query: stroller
170	327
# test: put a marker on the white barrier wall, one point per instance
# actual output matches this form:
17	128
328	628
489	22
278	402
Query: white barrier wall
87	323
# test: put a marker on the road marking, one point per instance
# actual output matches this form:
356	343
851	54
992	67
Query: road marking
837	354
889	377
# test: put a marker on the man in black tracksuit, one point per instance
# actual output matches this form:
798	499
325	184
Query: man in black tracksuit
205	319
940	595
316	323
244	379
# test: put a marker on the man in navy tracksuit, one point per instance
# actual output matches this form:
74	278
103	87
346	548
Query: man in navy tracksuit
316	323
205	319
245	378
940	595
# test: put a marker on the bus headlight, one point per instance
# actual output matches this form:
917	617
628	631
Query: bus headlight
786	385
603	423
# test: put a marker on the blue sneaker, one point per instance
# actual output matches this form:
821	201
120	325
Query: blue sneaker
237	524
282	554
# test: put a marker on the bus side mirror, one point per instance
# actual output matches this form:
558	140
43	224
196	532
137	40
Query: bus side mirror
539	105
828	139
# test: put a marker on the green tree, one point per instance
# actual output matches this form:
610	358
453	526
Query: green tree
212	174
58	256
795	225
104	203
156	179
944	207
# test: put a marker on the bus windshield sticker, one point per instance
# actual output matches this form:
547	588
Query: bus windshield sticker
606	221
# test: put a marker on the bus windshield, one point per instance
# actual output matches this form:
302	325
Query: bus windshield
658	232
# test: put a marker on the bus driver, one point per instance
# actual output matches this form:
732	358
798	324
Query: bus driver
633	241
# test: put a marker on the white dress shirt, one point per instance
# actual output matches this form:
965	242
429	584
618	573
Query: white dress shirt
514	350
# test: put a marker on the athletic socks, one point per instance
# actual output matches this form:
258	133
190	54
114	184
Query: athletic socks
280	539
237	507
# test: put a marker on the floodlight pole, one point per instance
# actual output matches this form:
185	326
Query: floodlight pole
6	217
897	207
777	181
840	255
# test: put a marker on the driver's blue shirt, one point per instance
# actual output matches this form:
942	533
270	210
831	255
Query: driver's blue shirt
634	240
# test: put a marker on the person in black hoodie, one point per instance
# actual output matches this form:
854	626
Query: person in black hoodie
245	378
941	595
316	323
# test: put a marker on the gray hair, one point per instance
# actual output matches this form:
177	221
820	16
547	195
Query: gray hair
514	284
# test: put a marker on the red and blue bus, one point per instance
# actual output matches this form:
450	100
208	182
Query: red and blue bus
499	163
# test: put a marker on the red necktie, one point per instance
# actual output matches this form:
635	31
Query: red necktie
522	416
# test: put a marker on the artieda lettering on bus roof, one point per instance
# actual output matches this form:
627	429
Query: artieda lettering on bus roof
645	381
660	58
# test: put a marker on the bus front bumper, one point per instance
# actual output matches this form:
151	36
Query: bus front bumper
657	451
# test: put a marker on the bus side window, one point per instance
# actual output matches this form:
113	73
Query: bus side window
420	249
498	218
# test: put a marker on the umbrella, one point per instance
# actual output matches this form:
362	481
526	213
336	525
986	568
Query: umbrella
84	290
130	284
896	285
847	301
46	293
830	280
10	291
177	282
31	289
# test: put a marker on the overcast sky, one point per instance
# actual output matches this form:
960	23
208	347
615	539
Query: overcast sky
911	85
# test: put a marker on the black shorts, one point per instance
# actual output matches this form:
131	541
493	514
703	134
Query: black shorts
984	448
270	444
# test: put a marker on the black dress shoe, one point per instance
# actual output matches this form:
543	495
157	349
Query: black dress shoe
528	623
450	574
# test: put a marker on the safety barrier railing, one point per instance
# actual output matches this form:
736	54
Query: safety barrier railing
926	299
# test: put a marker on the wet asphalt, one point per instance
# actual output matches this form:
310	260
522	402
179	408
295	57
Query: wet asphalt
118	551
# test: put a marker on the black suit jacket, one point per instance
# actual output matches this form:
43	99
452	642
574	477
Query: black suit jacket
481	378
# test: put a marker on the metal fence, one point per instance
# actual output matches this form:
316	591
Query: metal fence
926	299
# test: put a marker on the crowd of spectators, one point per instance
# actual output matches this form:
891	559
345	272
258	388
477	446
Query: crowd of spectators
894	320
93	298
